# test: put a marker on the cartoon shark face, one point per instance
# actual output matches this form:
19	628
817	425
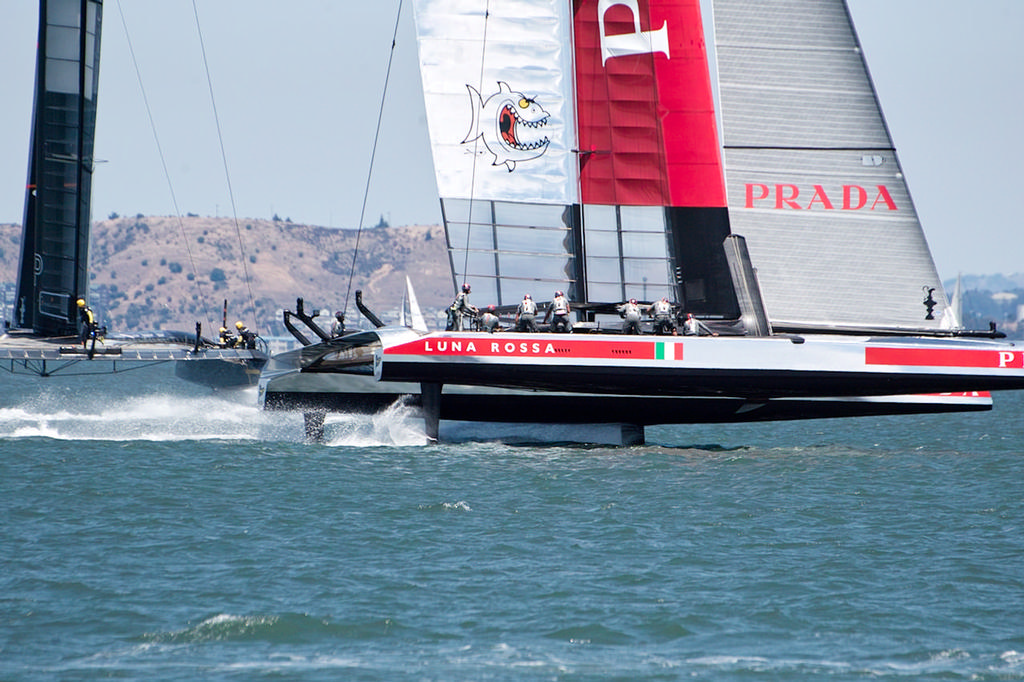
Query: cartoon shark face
510	124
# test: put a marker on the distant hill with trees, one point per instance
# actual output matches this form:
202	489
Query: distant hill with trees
159	272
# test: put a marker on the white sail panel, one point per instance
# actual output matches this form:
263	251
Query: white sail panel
812	177
953	316
497	87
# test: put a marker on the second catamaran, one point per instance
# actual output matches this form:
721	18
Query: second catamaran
53	276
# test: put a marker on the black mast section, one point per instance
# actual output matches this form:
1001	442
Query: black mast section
55	239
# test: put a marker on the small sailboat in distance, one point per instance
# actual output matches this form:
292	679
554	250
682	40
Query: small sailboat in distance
414	320
593	165
953	316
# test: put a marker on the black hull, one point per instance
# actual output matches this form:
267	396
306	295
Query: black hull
221	374
545	408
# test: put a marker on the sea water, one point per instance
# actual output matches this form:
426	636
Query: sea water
152	530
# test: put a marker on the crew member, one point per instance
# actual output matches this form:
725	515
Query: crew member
489	322
88	320
695	327
246	339
526	315
560	313
338	326
459	309
630	312
661	311
227	339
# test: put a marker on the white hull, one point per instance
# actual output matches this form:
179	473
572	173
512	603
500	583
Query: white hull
752	368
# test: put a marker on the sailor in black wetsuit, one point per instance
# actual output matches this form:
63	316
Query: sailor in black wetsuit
88	320
246	339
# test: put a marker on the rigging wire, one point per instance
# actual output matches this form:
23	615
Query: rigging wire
163	162
476	148
227	175
373	154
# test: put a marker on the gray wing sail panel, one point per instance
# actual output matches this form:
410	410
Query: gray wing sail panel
506	249
812	176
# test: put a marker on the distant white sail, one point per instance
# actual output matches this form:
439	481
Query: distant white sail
416	320
953	316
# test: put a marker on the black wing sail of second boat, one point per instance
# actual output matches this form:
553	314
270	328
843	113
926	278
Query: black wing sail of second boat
52	273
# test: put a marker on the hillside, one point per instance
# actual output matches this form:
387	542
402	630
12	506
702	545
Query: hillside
156	272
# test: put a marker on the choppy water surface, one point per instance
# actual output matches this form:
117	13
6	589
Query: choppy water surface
153	532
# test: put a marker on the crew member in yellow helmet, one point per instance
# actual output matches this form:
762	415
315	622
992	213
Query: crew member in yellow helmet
88	322
246	339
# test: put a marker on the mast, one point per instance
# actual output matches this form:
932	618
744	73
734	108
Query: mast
55	236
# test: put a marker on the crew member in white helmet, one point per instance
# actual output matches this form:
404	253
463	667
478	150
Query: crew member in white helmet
526	315
630	313
560	313
459	309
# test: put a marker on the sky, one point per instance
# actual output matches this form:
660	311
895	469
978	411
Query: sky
297	88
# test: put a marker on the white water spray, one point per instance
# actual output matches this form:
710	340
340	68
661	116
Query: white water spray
400	424
158	417
152	408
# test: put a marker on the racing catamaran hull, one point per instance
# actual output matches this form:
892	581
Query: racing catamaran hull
633	381
749	367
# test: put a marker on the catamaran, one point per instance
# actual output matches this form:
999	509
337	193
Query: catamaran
577	148
53	273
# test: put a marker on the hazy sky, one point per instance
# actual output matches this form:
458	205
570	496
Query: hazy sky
297	87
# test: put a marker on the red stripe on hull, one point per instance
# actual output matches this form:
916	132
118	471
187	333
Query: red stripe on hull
542	348
944	357
646	116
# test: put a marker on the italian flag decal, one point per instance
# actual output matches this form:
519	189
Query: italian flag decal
667	350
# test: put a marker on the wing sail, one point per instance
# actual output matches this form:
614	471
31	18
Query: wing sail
55	244
813	179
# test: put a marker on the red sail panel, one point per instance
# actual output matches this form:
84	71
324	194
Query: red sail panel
645	111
